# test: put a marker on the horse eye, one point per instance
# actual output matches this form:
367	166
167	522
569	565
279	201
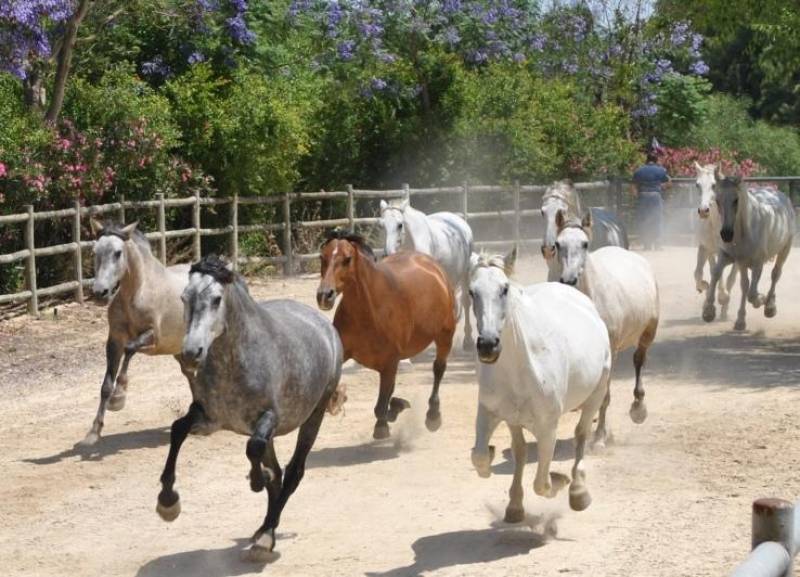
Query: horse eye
216	302
400	226
346	260
504	292
558	246
117	254
585	245
471	294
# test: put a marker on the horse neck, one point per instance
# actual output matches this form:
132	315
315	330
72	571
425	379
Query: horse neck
744	221
135	273
365	286
240	310
418	230
574	202
585	284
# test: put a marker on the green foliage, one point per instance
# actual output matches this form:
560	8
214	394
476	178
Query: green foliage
19	128
682	103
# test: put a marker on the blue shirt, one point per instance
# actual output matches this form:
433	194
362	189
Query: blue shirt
650	177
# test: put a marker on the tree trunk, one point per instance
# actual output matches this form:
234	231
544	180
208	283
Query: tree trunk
35	95
64	60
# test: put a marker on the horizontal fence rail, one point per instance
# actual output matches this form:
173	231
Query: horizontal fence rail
521	210
775	540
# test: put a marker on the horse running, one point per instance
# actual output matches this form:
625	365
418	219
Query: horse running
708	239
562	195
263	370
757	225
444	236
389	311
543	351
623	287
145	313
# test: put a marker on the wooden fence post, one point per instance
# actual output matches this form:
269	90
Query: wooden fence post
465	200
617	195
122	209
351	208
162	228
78	260
516	212
288	265
198	251
30	264
406	191
773	520
234	249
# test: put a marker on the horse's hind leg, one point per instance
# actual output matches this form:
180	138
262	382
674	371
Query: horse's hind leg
744	285
699	283
257	447
466	304
114	350
638	411
169	502
771	309
433	418
709	310
515	512
724	293
756	299
117	400
264	539
579	497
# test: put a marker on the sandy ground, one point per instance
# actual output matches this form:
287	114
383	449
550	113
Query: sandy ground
671	497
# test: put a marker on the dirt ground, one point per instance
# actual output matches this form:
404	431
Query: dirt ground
671	497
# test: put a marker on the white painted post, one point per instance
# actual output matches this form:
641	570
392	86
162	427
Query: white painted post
122	209
465	200
516	213
234	248
406	191
162	229
351	209
198	252
78	255
288	265
30	263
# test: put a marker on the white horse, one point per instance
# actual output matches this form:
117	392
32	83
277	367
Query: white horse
757	225
444	236
544	351
708	239
623	288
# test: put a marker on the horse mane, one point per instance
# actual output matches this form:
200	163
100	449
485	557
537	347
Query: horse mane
113	228
732	181
486	260
564	190
350	236
573	222
215	267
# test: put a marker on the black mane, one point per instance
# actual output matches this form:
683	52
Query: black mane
215	267
732	181
350	236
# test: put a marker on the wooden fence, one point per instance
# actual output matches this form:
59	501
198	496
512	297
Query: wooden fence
524	208
775	540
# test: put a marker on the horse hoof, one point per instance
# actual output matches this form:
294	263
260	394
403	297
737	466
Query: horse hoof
261	551
256	482
579	499
702	286
169	513
483	462
558	481
380	432
709	312
514	515
396	406
90	439
739	325
116	403
598	446
638	412
433	421
770	311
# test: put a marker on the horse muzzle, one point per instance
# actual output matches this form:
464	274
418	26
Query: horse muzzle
703	212
104	296
326	299
726	234
488	350
568	281
193	356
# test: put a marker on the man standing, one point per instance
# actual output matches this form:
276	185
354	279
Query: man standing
648	183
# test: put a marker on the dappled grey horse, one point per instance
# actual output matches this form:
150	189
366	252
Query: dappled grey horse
145	313
757	226
263	370
562	195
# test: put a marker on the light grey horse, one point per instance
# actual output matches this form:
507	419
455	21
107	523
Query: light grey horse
757	225
145	313
263	370
562	195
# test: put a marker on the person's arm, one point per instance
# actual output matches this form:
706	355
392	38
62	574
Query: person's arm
666	183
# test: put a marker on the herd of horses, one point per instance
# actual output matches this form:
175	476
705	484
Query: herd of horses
264	369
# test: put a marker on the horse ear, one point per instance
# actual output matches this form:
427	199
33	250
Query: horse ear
509	261
97	226
586	221
128	230
384	205
560	219
404	204
718	173
474	260
697	166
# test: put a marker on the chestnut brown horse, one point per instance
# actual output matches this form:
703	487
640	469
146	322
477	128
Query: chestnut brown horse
391	310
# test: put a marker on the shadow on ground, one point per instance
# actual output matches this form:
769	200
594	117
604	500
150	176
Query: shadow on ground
353	455
565	451
226	562
109	445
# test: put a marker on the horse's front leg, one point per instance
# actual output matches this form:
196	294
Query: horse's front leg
144	340
257	448
483	453
466	304
579	497
169	502
744	285
383	412
547	484
702	257
433	418
771	309
756	299
709	310
515	511
114	350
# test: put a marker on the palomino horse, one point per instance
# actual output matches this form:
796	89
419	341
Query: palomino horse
263	370
389	311
708	239
443	235
145	313
543	351
757	225
623	288
562	195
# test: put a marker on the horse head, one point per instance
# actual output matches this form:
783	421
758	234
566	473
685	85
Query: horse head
338	257
559	196
729	193
110	258
204	306
572	245
488	289
706	184
393	223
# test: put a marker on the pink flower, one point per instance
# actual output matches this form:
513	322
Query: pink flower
3	170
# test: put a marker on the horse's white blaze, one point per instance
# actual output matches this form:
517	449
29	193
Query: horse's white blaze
110	265
204	310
